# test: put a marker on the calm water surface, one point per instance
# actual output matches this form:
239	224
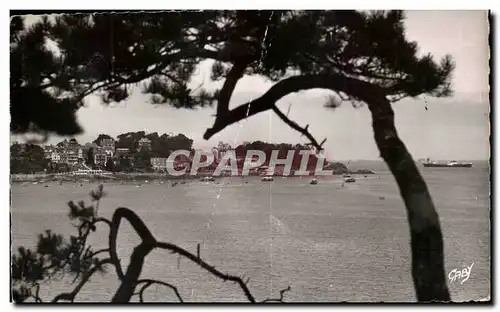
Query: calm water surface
329	243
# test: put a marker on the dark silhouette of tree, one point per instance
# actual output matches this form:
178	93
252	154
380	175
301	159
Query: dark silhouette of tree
360	57
153	136
15	150
110	166
129	140
90	157
28	158
124	164
155	144
161	145
100	137
58	167
34	108
142	161
178	142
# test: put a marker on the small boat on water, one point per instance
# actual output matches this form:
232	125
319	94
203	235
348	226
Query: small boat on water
314	182
349	179
267	179
207	179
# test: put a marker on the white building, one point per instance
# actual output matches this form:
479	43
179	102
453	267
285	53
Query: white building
55	157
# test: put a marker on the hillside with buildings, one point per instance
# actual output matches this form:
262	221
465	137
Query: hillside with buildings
141	152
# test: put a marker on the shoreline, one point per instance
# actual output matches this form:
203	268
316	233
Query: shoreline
42	177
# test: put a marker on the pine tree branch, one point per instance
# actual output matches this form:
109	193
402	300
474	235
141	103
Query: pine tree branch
71	295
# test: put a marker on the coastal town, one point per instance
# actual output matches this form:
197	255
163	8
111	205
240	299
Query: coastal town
139	152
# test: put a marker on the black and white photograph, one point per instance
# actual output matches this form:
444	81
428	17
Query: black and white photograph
250	156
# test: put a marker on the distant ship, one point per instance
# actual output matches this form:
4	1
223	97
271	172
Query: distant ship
451	164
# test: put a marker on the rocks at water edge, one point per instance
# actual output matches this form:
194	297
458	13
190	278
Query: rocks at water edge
340	168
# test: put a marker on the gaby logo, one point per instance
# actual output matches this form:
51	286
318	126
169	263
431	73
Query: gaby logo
463	274
254	159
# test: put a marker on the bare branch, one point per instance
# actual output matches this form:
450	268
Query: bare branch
225	277
138	226
149	282
282	295
36	295
295	126
126	288
135	221
232	79
336	82
149	243
95	253
289	108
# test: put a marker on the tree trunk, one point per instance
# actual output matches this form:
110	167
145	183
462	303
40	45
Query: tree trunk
425	231
128	283
129	279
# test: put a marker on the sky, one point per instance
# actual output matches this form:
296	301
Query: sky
455	128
